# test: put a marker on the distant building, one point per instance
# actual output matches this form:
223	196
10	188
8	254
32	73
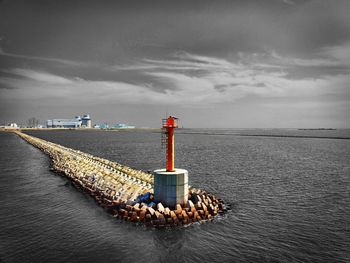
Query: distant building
11	126
77	122
123	126
86	121
104	126
63	123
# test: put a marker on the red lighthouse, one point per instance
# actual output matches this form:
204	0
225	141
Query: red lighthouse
169	126
170	184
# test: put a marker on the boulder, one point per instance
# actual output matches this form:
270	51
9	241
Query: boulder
160	207
161	219
148	218
151	210
134	217
157	214
193	209
167	211
185	216
172	215
178	209
198	205
144	207
190	204
142	215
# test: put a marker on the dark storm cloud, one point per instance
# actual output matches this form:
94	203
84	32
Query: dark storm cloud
98	55
110	31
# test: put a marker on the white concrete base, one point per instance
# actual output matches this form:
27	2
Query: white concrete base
171	188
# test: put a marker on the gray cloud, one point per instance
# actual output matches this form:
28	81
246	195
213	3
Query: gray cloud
228	59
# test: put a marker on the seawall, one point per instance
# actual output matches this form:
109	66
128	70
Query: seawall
125	192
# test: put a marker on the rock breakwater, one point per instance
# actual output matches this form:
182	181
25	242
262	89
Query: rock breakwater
126	193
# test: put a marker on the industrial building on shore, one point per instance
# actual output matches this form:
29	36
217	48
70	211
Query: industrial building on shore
77	122
9	126
105	126
123	126
83	122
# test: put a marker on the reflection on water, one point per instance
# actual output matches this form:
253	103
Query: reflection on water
170	244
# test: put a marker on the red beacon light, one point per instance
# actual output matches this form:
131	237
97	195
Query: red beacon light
169	125
170	122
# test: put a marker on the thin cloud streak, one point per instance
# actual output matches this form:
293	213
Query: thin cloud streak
54	60
235	80
43	77
336	57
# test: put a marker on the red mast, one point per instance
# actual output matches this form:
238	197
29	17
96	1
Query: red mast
169	125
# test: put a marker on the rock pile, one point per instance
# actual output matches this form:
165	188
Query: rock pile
126	193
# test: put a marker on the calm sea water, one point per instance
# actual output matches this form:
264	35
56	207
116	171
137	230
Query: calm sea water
289	199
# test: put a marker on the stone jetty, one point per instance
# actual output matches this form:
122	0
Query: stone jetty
126	193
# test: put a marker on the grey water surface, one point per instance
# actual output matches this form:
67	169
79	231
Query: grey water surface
289	197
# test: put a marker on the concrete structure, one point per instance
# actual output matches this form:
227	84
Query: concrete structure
170	184
171	188
77	122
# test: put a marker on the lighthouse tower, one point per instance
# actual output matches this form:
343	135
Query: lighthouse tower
170	184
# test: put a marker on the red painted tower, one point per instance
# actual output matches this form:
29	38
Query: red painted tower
169	126
170	184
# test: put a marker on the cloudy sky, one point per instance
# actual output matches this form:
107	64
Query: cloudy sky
273	63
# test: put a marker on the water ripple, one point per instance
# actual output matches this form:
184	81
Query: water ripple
289	200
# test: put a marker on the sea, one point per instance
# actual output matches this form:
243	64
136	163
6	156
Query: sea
288	193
